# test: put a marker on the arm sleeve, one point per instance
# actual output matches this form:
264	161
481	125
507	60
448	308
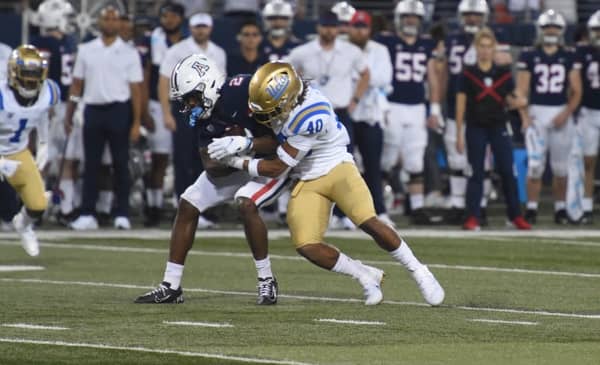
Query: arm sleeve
134	72
79	68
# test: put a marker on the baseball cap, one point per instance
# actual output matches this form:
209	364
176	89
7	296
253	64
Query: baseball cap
328	19
361	18
201	19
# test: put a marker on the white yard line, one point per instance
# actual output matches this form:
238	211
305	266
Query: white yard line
304	297
101	346
282	233
298	258
497	321
12	268
198	324
350	321
29	326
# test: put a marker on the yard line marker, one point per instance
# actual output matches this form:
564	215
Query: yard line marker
349	321
306	297
129	249
34	326
154	351
524	323
199	324
12	268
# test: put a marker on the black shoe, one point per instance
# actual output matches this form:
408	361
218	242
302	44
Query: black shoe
152	217
161	295
561	217
531	216
420	217
66	219
483	218
588	218
267	291
455	216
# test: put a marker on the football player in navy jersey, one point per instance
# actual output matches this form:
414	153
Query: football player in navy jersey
58	46
278	17
170	32
549	75
414	66
588	57
216	105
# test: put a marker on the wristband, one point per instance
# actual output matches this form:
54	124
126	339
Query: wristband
435	109
253	167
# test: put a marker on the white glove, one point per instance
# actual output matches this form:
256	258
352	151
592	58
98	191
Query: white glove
228	146
41	157
234	161
8	167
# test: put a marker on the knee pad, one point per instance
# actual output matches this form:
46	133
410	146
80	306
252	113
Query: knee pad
535	167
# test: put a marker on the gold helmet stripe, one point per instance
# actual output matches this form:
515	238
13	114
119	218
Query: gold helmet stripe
309	111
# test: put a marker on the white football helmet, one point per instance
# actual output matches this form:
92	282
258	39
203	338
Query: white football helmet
196	82
550	18
54	14
408	7
593	26
344	11
278	9
473	7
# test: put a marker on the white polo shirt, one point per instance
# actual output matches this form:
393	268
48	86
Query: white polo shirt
188	47
107	71
374	103
330	70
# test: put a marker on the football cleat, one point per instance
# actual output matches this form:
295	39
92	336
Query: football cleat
520	223
531	216
122	223
163	294
267	291
84	223
561	217
385	218
471	224
204	223
430	288
348	224
29	240
371	283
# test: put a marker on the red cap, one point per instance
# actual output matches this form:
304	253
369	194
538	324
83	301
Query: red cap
361	17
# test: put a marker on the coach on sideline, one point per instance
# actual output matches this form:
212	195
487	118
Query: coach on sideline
109	72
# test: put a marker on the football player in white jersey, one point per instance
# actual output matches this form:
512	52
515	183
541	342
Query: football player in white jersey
313	147
25	98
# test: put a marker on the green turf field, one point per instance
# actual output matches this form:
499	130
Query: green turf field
544	291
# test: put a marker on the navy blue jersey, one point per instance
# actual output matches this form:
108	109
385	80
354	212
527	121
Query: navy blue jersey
588	58
410	68
60	54
549	75
237	64
458	54
275	54
230	109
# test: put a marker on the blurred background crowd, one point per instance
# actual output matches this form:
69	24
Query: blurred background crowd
420	183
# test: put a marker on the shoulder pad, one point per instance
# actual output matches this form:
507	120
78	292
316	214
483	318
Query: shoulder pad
304	121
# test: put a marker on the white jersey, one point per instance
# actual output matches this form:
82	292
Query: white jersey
314	130
17	121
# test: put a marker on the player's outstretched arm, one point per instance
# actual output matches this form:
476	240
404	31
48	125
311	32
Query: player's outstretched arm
287	158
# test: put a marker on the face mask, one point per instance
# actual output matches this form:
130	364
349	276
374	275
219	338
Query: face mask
410	30
550	39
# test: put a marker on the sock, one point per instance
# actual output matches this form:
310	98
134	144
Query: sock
158	197
77	193
263	268
173	274
559	205
416	201
532	205
484	202
104	203
405	256
67	186
27	220
150	198
345	265
458	186
588	204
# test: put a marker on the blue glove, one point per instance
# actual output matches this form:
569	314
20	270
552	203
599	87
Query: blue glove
195	114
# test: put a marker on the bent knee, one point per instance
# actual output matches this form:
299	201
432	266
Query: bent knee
246	206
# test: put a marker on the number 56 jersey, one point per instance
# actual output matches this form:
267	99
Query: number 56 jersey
549	75
17	121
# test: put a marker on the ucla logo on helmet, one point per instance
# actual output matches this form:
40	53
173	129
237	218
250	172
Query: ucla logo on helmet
200	68
277	86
